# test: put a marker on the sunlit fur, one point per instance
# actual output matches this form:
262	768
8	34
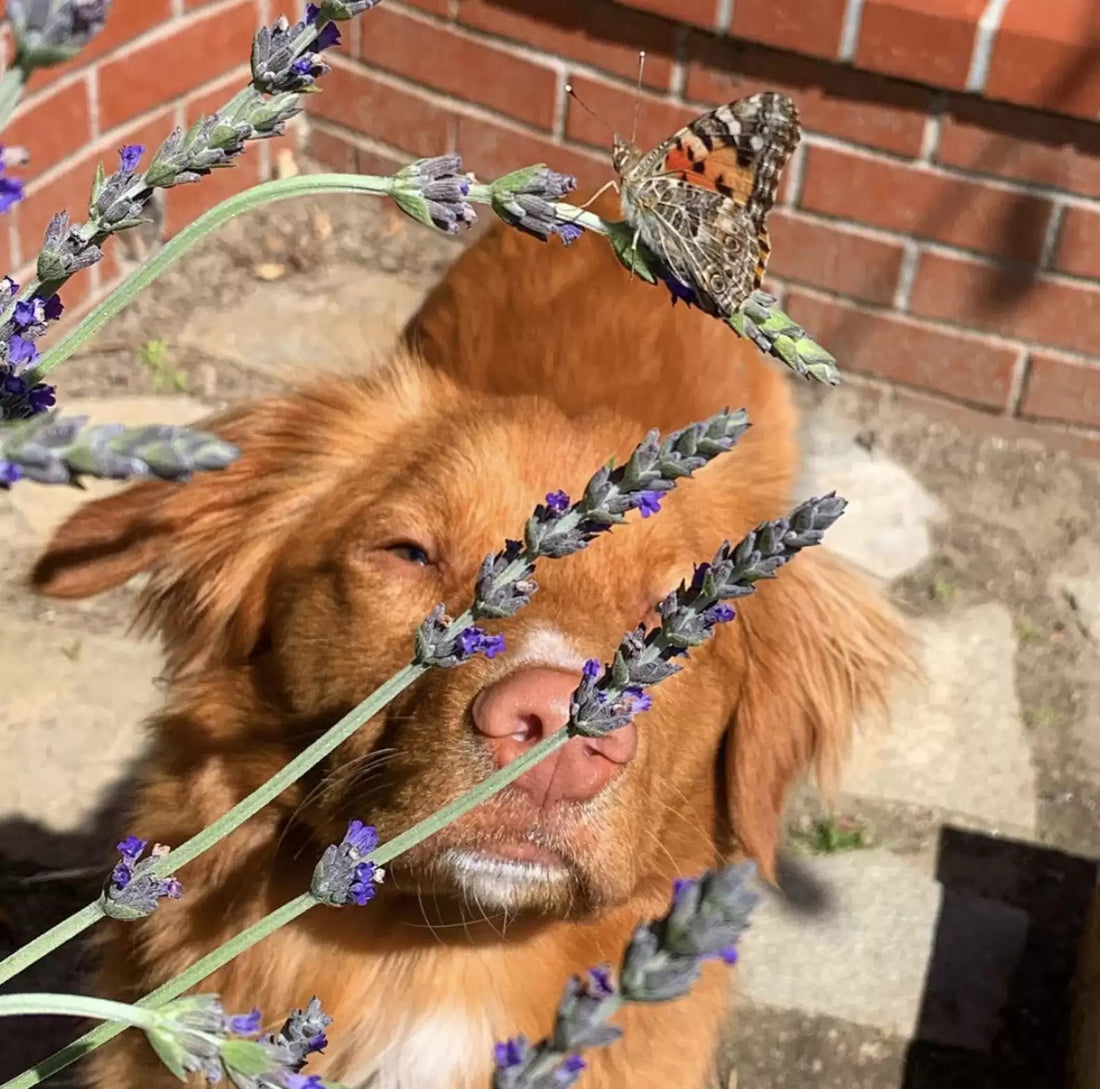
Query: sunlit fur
280	608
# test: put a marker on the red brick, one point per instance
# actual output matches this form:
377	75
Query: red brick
990	138
1079	245
701	12
1008	300
51	125
1063	389
926	40
126	21
491	150
890	346
356	99
447	61
615	105
812	27
925	203
826	255
594	34
6	230
1046	54
185	203
855	106
436	7
331	149
204	48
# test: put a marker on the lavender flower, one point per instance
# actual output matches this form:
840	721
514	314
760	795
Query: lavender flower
661	962
434	191
443	642
523	199
133	891
303	1032
196	1035
342	876
11	192
65	250
704	922
50	450
51	31
689	615
286	57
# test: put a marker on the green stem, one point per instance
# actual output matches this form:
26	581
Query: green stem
76	1005
247	938
229	821
170	252
11	87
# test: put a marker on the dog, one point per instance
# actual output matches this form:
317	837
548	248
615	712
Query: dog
288	587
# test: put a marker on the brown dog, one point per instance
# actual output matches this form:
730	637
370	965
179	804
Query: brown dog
289	586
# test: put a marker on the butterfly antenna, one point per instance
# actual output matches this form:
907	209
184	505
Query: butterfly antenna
584	106
638	96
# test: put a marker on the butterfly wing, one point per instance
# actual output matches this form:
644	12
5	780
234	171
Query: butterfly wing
723	170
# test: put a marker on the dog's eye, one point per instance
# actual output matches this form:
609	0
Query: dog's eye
410	553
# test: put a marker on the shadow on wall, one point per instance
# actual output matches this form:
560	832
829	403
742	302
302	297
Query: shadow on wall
1025	219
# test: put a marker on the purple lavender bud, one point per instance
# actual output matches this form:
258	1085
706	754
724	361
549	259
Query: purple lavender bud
133	891
29	312
54	308
557	501
129	155
591	668
303	1033
343	876
9	474
647	502
245	1024
41	397
588	1003
523	199
434	192
21	351
303	1081
361	837
327	36
11	192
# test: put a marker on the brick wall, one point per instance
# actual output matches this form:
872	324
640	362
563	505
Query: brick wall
940	224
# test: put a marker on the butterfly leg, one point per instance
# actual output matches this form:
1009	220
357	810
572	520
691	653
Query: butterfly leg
599	193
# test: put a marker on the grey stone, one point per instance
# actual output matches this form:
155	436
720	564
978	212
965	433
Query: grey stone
959	743
862	956
70	726
886	530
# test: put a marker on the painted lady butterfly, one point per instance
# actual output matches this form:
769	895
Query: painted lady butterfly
699	201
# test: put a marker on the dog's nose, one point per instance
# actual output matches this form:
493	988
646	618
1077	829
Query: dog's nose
521	709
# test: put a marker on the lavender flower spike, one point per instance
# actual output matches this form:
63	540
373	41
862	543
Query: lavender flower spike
689	616
50	450
195	1035
132	891
523	199
443	642
661	962
344	9
342	876
434	191
705	921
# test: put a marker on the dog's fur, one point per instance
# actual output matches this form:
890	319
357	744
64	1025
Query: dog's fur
280	608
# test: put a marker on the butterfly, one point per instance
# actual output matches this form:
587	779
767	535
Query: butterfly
700	200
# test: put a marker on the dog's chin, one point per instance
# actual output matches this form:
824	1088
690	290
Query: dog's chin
511	878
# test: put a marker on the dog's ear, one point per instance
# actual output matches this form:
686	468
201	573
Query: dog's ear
209	546
820	650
